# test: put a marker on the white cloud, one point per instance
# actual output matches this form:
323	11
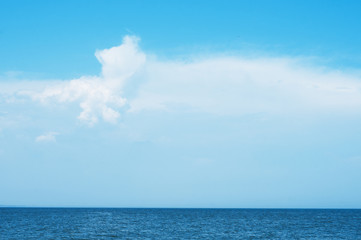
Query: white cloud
216	85
120	63
95	97
47	137
232	85
100	96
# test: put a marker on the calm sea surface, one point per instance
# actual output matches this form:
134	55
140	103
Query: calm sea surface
93	223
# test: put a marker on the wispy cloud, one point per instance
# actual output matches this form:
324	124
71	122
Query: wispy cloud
231	85
47	137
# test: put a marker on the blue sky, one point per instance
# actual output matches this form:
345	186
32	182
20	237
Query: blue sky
180	104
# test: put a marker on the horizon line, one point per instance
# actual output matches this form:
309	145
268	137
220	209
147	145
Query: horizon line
244	208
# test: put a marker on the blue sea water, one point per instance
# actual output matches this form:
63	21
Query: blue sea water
123	223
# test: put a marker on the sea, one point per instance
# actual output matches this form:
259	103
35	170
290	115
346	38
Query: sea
158	223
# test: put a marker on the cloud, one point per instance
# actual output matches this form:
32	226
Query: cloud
95	98
227	85
47	137
235	85
120	63
99	96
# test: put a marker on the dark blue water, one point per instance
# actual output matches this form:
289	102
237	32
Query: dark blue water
93	223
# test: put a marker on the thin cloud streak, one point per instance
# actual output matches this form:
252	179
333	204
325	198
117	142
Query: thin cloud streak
47	137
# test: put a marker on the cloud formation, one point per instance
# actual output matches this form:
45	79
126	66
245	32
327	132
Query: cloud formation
231	85
225	85
100	96
47	137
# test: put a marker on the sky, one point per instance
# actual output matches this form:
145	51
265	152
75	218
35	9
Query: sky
217	104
